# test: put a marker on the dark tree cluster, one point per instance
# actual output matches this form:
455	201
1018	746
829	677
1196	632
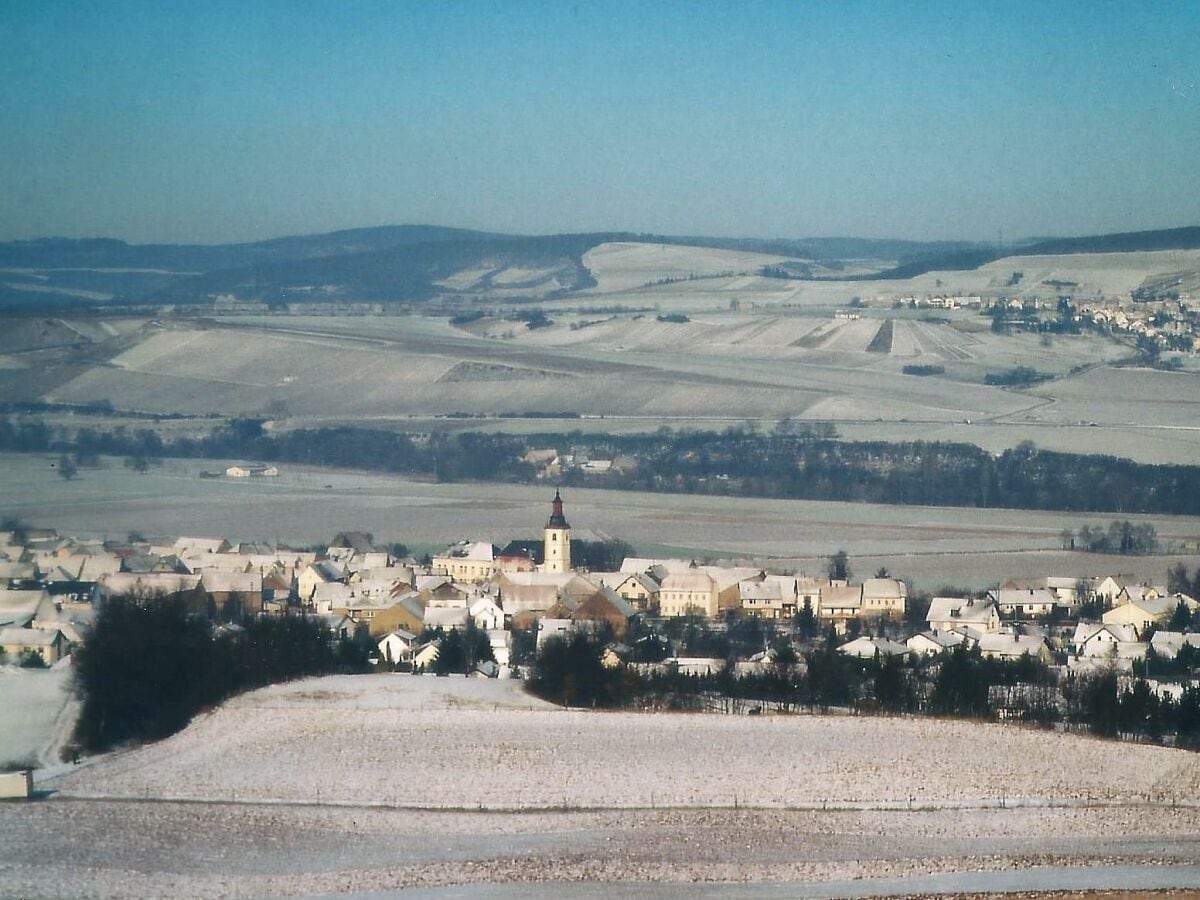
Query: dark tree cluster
150	664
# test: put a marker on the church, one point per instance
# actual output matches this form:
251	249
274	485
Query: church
556	554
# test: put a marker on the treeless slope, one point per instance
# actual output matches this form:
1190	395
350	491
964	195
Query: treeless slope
433	742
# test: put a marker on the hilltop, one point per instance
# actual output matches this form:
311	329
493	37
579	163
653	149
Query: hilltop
415	263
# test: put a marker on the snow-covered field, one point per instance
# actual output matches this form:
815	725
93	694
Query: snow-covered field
307	504
454	743
30	703
356	755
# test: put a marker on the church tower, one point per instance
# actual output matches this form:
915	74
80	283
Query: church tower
558	540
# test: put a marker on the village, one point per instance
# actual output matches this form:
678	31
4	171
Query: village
654	615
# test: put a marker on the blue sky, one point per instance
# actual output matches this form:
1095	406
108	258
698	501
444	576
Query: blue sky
215	121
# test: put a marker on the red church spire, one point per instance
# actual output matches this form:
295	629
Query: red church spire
557	520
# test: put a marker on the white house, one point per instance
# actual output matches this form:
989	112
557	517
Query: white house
487	614
949	613
931	643
397	646
869	647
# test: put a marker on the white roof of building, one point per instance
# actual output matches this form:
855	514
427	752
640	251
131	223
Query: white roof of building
691	580
1001	643
29	637
643	564
959	609
1086	631
867	647
883	589
474	551
759	590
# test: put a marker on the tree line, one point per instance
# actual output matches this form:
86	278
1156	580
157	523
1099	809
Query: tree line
959	683
150	664
800	464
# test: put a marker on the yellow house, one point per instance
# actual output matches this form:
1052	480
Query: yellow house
467	561
50	644
688	594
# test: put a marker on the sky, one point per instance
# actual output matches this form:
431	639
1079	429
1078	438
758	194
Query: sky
212	121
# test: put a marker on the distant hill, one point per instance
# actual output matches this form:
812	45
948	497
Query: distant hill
402	272
415	262
1124	242
106	253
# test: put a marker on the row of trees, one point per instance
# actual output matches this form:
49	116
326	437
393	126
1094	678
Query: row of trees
805	464
151	663
1122	537
959	683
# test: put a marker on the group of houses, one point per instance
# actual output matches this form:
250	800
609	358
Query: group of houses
51	585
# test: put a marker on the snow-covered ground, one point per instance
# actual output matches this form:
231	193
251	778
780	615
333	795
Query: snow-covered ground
467	744
31	704
353	756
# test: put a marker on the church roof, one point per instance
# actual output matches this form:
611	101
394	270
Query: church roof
557	520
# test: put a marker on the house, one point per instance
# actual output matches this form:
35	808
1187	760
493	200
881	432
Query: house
870	647
404	612
1099	640
1167	644
191	545
146	584
884	597
537	592
1025	603
695	665
727	582
251	471
953	613
1141	614
765	600
1003	645
659	568
397	646
931	643
548	629
1118	590
19	608
467	561
50	643
358	541
447	617
605	607
426	655
520	556
638	589
487	614
840	602
236	593
690	593
501	642
321	572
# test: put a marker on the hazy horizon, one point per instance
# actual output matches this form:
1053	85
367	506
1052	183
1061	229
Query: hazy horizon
235	122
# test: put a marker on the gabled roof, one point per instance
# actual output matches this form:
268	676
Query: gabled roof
604	600
358	541
883	589
473	551
960	609
690	580
31	637
642	564
841	596
1086	631
868	647
760	590
1003	644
